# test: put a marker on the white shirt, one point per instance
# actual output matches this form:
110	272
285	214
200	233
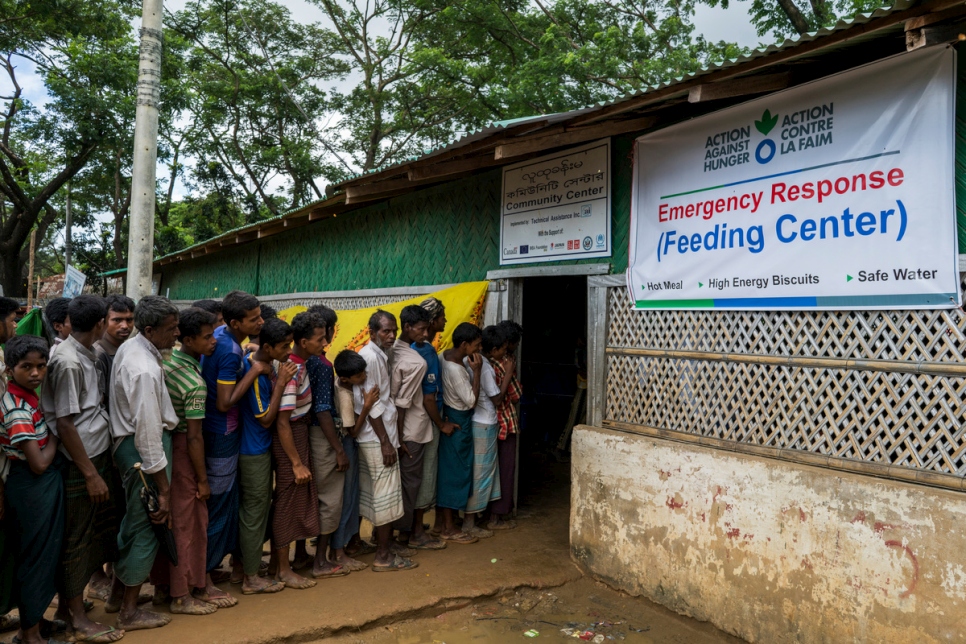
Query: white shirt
377	373
140	404
457	386
485	412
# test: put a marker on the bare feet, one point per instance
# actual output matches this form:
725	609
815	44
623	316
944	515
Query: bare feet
141	620
189	605
293	580
162	595
100	587
255	585
302	561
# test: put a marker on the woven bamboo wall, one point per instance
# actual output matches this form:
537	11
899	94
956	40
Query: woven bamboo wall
440	235
871	412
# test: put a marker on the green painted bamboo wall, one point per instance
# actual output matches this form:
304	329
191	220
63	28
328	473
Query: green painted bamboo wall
440	235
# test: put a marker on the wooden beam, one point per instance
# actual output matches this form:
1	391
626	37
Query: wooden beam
784	55
391	188
932	18
469	148
571	137
935	35
731	88
449	168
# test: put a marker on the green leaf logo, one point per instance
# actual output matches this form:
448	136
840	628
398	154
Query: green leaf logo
767	122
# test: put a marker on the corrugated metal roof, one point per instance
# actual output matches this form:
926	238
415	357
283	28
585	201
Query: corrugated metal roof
497	126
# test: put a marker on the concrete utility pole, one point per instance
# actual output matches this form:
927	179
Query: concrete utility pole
67	232
140	249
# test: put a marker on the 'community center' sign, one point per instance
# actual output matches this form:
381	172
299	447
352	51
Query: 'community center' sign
837	194
557	207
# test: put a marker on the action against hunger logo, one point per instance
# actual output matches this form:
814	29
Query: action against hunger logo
765	151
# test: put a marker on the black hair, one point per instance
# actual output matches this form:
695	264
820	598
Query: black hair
118	303
208	305
465	332
56	310
268	312
413	315
349	363
8	306
375	320
85	312
304	325
493	338
21	346
327	314
514	332
192	319
236	304
274	331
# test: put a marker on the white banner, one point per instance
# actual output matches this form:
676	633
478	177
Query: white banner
557	207
837	194
74	281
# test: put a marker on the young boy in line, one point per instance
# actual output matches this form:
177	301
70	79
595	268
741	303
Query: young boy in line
460	394
34	487
226	387
329	459
433	403
295	508
407	370
8	529
486	428
257	413
351	370
502	509
213	307
189	478
73	404
58	320
380	489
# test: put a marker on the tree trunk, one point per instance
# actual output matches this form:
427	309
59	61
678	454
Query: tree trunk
796	17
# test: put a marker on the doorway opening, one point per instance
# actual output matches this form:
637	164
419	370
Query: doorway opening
553	373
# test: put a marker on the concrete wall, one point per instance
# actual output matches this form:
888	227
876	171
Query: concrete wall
768	550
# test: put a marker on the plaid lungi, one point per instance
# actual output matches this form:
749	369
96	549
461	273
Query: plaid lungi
90	529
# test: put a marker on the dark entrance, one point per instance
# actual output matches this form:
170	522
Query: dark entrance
554	353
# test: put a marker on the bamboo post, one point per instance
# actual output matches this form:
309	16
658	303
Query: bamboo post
30	269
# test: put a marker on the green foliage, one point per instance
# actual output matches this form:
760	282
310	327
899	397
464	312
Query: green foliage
780	19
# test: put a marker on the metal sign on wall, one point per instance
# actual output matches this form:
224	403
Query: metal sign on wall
836	194
557	207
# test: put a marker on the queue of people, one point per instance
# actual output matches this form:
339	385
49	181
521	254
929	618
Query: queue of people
162	442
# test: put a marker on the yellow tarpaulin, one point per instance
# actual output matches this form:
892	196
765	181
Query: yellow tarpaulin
463	302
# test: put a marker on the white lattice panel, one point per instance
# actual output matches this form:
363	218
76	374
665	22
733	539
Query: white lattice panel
909	420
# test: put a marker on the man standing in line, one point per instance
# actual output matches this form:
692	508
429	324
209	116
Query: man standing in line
72	402
120	323
433	403
142	419
407	369
58	320
221	371
380	491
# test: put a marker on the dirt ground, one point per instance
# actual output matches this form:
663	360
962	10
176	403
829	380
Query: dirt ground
563	614
491	591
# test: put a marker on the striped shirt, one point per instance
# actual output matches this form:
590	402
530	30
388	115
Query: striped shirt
507	411
182	376
297	397
22	421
